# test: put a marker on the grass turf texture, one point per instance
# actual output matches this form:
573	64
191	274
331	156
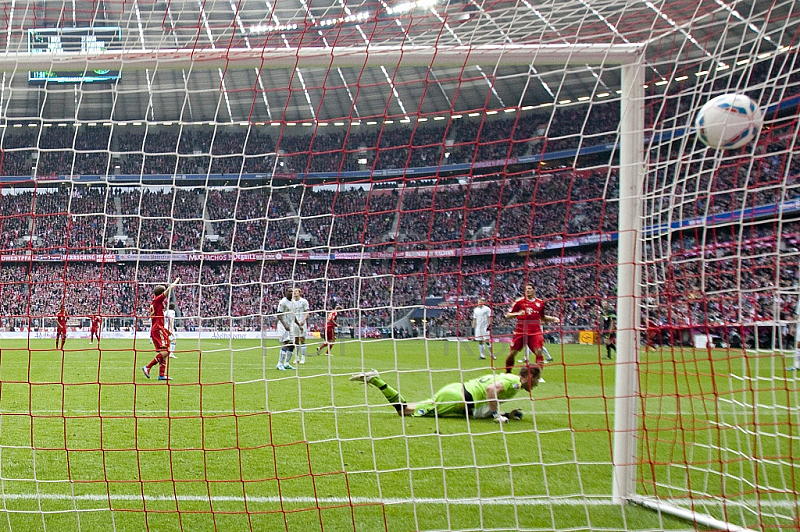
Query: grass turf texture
233	443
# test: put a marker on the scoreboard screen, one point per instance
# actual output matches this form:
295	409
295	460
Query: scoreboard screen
83	40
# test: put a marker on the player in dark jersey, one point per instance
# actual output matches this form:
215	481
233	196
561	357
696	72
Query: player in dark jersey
609	332
158	332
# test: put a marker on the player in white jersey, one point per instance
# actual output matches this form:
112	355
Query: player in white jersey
285	325
300	330
481	325
169	323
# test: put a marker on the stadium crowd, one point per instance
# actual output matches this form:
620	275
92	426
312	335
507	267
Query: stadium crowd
515	210
702	293
167	150
235	295
522	209
702	289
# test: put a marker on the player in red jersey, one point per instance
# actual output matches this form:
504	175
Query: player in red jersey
330	331
530	315
158	332
95	330
61	327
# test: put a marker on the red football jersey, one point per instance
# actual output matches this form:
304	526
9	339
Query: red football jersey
531	321
61	319
157	311
331	320
96	323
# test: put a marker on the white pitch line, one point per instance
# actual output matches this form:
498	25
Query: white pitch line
310	500
378	409
342	410
391	501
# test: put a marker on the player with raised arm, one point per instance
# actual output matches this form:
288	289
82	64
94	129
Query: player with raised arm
285	325
158	332
330	331
529	311
169	322
481	325
478	398
95	322
300	329
61	327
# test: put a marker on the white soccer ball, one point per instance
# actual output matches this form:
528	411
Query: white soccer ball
728	121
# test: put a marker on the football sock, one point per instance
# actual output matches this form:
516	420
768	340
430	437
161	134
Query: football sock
377	382
482	349
391	395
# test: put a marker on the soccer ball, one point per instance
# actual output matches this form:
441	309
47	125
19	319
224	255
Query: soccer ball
728	121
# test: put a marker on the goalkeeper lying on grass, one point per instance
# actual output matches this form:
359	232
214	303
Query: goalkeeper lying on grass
480	397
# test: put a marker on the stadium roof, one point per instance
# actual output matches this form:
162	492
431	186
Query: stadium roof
683	37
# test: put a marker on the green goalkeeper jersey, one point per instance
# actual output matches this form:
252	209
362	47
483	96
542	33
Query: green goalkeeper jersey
477	387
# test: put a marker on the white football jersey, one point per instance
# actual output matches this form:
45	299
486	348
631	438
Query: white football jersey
300	308
286	313
169	320
481	316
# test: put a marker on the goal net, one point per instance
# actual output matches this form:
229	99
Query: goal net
405	169
719	308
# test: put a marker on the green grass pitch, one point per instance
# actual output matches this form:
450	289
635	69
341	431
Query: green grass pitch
88	443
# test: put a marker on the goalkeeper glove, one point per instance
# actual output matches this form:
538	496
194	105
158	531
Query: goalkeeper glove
499	418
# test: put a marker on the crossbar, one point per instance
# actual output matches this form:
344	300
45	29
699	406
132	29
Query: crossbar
324	58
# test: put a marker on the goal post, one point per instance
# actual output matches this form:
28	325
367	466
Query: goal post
631	178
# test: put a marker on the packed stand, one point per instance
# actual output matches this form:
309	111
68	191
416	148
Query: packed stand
376	293
232	150
527	208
